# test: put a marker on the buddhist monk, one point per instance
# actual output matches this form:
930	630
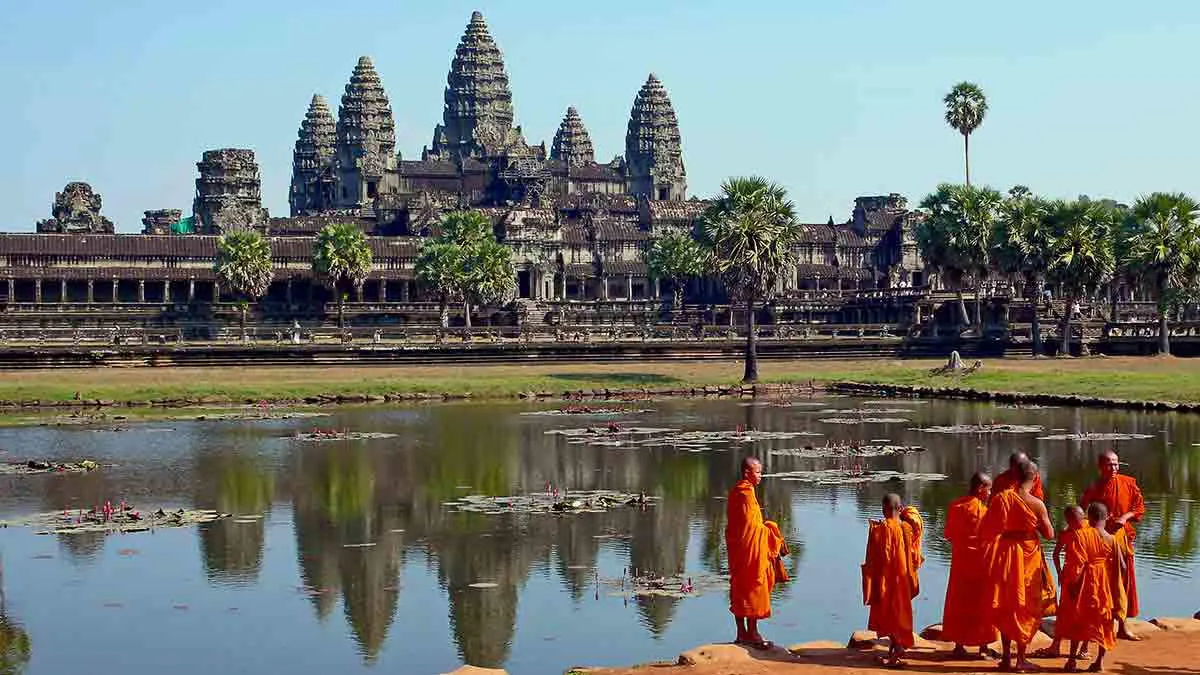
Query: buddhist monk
964	617
1019	587
910	515
1076	519
1012	477
755	547
1123	499
1088	588
890	580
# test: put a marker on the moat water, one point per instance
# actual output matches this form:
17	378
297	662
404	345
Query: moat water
296	592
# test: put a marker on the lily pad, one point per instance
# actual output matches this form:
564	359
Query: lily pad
850	477
1091	436
554	502
321	436
848	451
863	420
983	429
35	466
129	520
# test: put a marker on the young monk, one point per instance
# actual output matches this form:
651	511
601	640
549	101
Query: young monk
1011	478
1088	587
755	547
1019	586
964	618
890	580
1075	519
1123	498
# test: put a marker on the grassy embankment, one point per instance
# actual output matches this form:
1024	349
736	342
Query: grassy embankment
1124	378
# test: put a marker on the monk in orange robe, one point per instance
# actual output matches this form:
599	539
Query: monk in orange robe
1019	587
1076	520
1088	589
1011	478
1123	499
964	616
755	547
890	580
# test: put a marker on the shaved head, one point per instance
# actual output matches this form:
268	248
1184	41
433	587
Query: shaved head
750	462
1029	471
1073	514
891	504
1097	512
1016	459
979	480
752	470
1108	463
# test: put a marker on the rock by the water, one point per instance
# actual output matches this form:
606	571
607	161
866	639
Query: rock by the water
729	654
474	670
1180	625
862	638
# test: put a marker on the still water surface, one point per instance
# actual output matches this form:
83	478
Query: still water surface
286	593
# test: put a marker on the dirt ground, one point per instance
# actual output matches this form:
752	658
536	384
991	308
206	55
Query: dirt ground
1159	653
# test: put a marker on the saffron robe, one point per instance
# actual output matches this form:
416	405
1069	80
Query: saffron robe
1012	479
1019	588
890	580
964	617
1121	495
1064	614
754	546
912	516
1089	589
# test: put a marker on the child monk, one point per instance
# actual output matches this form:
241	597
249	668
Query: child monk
1090	589
964	618
890	580
1076	520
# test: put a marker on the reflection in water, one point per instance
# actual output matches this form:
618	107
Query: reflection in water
364	514
15	645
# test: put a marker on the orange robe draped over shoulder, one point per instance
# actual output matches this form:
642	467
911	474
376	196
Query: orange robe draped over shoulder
1011	479
754	547
1121	495
1019	589
890	580
964	618
1064	614
1088	589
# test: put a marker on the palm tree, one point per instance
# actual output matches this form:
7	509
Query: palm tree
1081	252
1022	246
466	264
1161	247
750	231
442	268
341	255
243	265
966	107
956	236
676	257
490	275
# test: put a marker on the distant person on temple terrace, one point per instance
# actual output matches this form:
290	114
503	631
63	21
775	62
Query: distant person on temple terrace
756	548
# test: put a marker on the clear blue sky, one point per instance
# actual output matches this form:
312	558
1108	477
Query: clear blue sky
833	99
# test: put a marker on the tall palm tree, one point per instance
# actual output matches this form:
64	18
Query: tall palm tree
966	107
491	278
750	231
676	257
465	263
1162	248
441	267
1022	246
243	265
1081	253
956	237
341	256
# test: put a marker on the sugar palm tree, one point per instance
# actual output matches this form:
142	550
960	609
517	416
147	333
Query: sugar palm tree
750	231
966	107
676	257
341	256
466	264
441	267
1161	247
1081	252
490	275
955	238
1022	246
243	265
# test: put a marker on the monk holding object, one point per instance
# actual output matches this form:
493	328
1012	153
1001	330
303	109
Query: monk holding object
890	581
755	549
964	619
1091	583
1019	587
1123	499
1011	478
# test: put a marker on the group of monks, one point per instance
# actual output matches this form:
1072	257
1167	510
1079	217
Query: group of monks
1000	584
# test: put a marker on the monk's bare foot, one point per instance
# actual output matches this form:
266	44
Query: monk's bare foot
1027	667
1124	634
960	652
1005	666
758	642
1096	667
1046	653
1071	667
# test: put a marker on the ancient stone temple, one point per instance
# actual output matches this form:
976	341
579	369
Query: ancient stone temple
572	144
366	139
228	192
159	221
314	185
652	146
76	209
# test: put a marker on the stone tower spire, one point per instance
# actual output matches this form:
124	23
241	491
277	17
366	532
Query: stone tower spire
652	146
477	120
366	139
313	185
572	144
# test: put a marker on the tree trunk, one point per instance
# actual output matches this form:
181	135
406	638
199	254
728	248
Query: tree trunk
967	156
978	314
444	312
1036	326
676	298
1064	347
466	320
1164	337
341	301
751	374
243	321
962	308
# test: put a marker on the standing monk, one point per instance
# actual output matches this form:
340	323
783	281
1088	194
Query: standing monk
1123	499
1012	477
890	579
1019	587
755	547
1090	588
964	618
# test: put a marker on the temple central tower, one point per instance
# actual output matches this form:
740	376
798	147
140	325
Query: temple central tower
366	139
652	146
